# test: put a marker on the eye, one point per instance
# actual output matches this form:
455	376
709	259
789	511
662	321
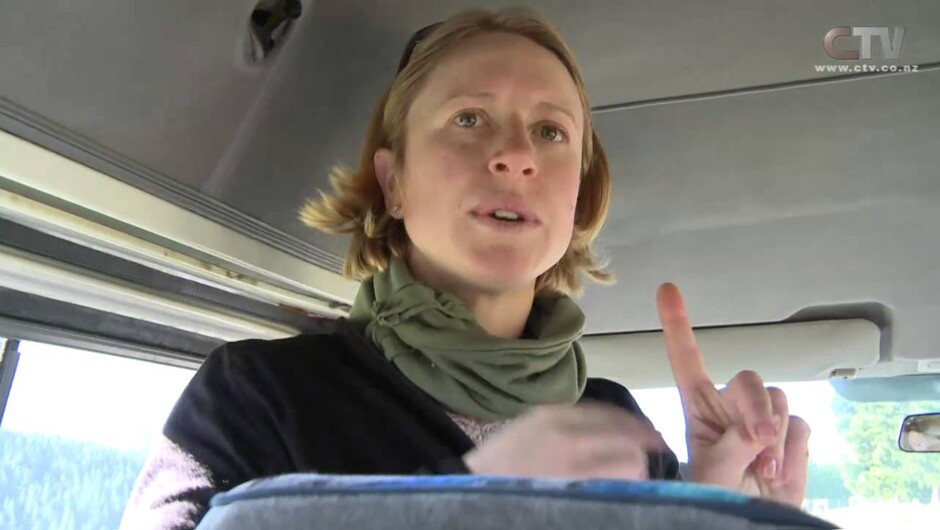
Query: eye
467	119
553	133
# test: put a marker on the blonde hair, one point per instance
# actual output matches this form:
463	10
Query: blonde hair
356	205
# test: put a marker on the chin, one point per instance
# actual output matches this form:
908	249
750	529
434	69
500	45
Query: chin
505	271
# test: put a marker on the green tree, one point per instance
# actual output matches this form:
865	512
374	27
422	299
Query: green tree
877	468
825	482
51	483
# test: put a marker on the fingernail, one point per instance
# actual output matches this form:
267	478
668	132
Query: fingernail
770	469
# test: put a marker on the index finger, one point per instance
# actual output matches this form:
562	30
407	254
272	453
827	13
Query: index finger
685	358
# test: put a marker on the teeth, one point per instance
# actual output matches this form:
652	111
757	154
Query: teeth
506	214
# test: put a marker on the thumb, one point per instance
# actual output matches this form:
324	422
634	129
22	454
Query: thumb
725	462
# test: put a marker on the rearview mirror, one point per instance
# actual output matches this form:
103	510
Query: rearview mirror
920	433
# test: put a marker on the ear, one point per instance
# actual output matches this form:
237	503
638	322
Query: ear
384	163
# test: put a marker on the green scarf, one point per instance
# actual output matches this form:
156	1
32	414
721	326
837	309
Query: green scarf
436	342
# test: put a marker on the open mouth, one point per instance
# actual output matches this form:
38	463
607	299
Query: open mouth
506	213
507	216
506	221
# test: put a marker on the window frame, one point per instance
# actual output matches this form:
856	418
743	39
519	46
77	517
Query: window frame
9	360
13	332
30	332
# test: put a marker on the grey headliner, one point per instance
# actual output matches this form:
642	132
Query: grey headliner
758	204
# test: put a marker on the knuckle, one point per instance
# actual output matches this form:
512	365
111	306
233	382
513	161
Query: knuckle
635	465
639	431
800	426
581	445
749	378
635	453
778	398
550	417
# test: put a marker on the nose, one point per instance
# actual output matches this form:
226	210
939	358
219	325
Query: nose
516	155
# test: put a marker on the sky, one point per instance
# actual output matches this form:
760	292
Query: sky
122	403
115	401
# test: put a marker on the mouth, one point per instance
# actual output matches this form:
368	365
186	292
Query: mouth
511	214
506	221
507	216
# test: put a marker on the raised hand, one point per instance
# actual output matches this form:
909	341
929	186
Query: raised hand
742	437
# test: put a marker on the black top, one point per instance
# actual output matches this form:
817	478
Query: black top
327	402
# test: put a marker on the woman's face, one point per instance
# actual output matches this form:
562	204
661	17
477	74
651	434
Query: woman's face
495	132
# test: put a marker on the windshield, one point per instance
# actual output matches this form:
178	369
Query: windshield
78	426
858	476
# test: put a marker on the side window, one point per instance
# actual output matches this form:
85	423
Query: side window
75	433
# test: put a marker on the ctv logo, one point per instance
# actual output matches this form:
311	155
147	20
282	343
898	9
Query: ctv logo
890	44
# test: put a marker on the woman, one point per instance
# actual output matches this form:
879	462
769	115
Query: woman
479	192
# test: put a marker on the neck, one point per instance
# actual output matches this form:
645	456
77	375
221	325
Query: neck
501	313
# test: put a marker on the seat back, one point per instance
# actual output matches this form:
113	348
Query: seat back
466	502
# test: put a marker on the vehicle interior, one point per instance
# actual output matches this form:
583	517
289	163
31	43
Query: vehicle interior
154	157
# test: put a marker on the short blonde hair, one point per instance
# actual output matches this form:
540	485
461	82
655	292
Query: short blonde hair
356	205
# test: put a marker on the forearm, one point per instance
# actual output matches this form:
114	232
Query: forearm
172	491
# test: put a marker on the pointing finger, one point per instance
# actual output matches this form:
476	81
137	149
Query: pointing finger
688	366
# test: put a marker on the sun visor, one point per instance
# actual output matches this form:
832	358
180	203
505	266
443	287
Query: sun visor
798	351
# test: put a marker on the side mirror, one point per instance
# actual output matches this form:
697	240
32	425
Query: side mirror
920	433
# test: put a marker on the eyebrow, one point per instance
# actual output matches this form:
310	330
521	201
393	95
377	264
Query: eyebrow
489	95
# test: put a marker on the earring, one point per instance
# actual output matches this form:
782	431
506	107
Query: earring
396	209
